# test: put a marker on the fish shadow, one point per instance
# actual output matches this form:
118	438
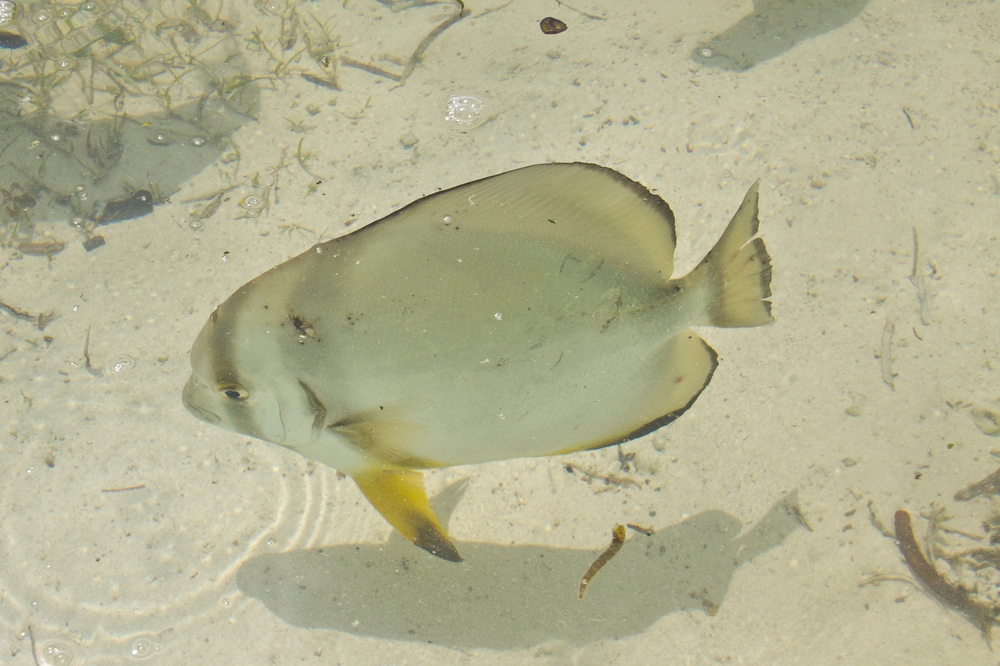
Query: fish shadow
508	597
772	28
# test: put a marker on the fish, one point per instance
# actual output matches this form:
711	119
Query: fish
530	313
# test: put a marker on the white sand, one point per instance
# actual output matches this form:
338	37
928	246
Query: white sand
844	179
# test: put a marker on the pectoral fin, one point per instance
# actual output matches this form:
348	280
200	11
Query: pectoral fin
399	495
384	438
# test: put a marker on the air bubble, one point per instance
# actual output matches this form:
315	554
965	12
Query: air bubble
196	225
464	112
122	363
41	16
274	6
199	141
141	648
447	218
253	212
65	12
272	542
705	52
56	654
8	12
89	6
55	137
65	62
251	202
498	316
160	138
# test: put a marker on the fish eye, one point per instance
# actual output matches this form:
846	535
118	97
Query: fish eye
232	390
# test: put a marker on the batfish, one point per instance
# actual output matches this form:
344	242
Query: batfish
531	313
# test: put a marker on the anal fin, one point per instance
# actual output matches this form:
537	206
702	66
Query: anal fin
399	495
683	368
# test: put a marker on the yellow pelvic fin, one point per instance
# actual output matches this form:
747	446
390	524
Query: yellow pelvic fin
399	495
738	271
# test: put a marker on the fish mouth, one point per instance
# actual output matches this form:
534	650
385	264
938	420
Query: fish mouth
187	396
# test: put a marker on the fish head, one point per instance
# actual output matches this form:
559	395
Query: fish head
229	385
228	404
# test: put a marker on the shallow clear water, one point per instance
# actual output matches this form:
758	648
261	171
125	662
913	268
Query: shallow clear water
130	531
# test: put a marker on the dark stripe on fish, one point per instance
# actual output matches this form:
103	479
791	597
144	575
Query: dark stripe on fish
318	408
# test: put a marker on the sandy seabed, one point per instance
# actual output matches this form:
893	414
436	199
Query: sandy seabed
129	531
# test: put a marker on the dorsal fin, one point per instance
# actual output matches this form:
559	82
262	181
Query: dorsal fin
578	205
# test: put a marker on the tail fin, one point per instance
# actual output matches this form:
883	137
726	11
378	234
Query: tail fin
738	272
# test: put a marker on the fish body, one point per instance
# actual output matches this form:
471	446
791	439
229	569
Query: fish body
531	313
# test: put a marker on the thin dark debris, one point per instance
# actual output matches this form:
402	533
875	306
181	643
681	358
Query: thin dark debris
648	531
319	81
42	248
982	615
617	540
609	480
988	486
41	320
